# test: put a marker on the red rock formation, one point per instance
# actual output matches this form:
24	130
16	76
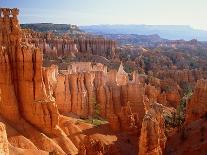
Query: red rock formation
63	94
24	99
97	46
91	147
134	94
86	91
34	99
197	106
25	65
152	93
192	138
96	145
51	45
121	76
127	119
152	139
57	46
179	76
4	145
172	92
114	122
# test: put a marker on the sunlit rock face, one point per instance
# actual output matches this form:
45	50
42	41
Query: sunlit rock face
88	90
96	46
4	145
48	110
25	99
179	76
23	64
65	46
32	97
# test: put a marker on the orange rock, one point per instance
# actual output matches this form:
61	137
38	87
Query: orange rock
4	145
96	46
173	98
197	107
24	99
63	94
190	76
152	93
98	145
114	122
152	138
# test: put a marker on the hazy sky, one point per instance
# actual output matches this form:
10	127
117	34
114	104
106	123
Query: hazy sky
87	12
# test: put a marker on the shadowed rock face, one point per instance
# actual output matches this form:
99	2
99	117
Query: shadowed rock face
190	76
97	46
65	46
152	139
192	138
197	106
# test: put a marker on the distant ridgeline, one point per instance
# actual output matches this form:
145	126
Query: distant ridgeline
171	32
50	27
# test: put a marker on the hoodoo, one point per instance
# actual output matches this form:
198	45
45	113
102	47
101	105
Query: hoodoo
68	92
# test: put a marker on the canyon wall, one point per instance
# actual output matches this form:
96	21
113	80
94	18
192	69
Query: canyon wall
191	138
4	145
197	106
66	46
180	76
55	105
25	102
32	97
89	91
152	139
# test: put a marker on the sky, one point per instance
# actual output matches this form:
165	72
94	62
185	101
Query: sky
93	12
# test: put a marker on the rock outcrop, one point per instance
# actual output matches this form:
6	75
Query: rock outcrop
180	76
88	90
91	108
96	46
4	145
152	139
65	46
25	103
32	97
197	106
192	137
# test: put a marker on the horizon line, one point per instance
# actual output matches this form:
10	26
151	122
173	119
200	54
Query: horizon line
182	25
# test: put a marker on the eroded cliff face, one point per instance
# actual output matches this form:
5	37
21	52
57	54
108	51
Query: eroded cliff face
197	106
88	92
192	137
25	102
4	145
152	139
129	106
56	105
96	46
93	146
190	76
23	67
65	46
32	98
